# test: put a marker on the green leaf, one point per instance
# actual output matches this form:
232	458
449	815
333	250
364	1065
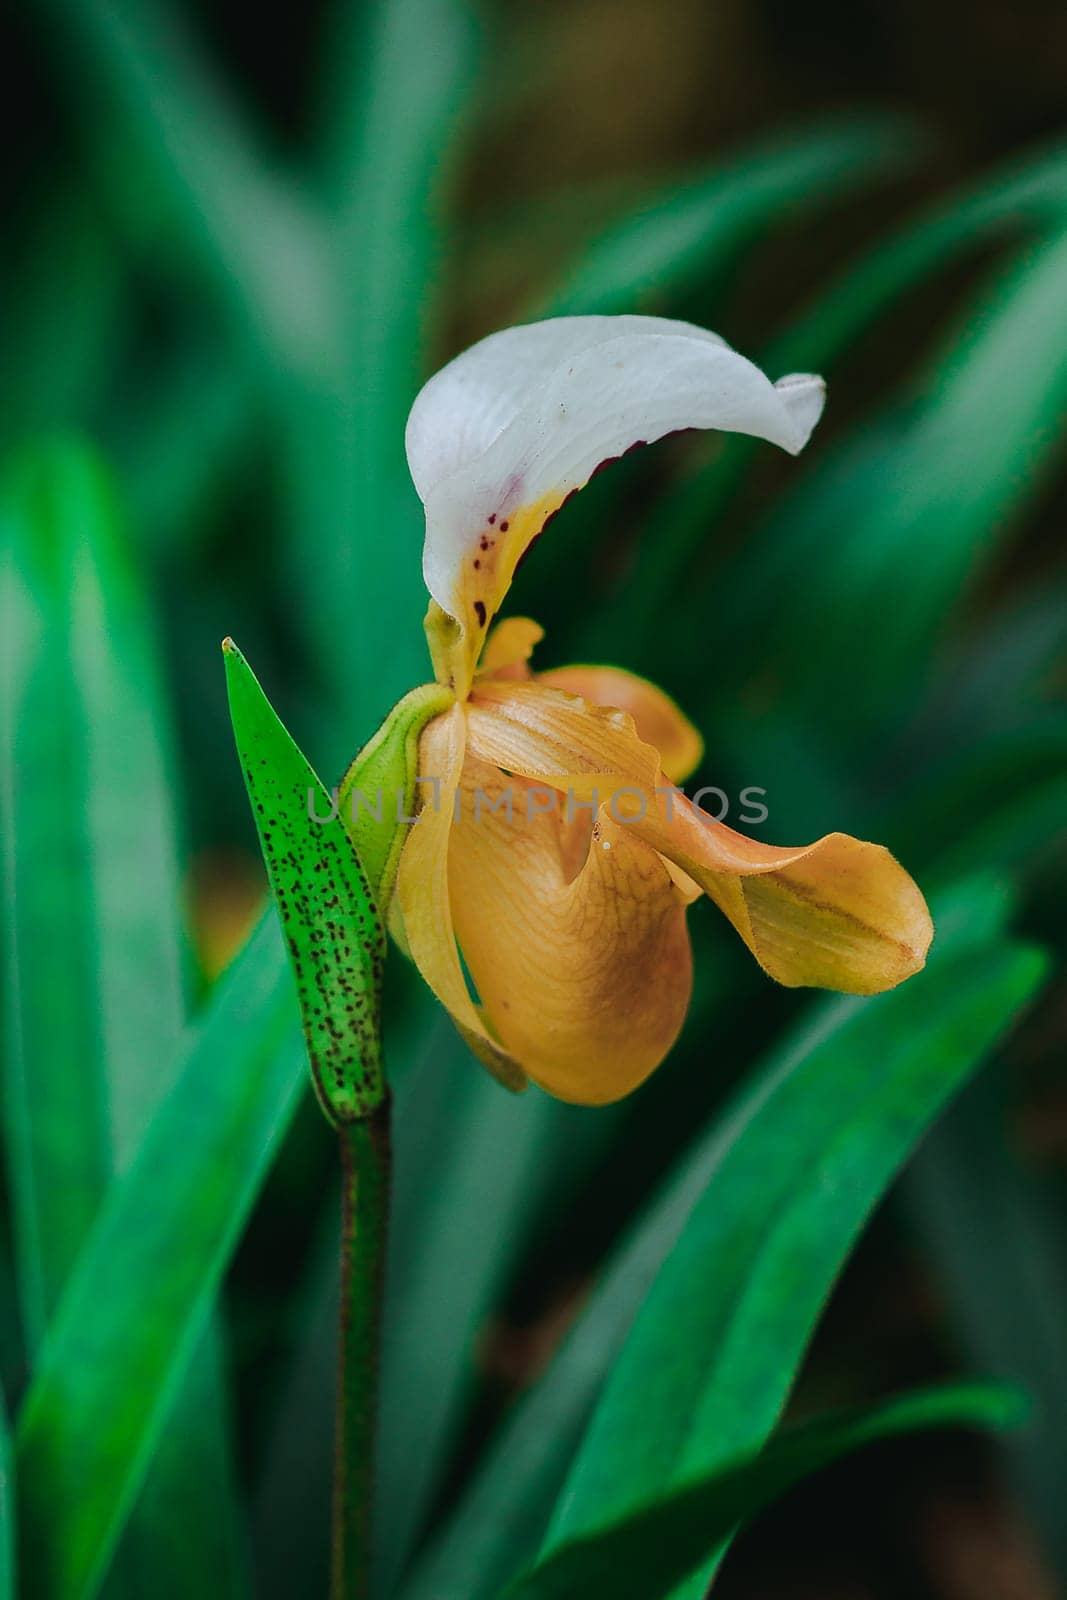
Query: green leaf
991	1230
695	231
888	538
1030	195
689	231
57	533
134	1307
51	378
180	434
7	1513
867	559
458	1139
331	924
502	1516
354	508
983	801
290	1512
656	1546
169	140
191	1482
714	1350
89	796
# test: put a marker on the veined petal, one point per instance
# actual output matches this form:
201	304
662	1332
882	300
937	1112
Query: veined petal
500	437
423	897
560	739
585	975
657	719
837	914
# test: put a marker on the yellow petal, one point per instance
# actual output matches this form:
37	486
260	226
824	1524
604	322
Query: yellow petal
559	738
837	914
657	719
586	977
422	892
509	647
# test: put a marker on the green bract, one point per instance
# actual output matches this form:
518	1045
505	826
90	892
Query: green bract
329	917
377	793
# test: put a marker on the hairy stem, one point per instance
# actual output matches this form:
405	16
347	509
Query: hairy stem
365	1162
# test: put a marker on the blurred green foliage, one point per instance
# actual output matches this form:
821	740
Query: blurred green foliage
218	308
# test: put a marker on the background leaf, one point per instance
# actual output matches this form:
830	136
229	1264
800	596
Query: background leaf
346	436
995	1239
688	234
715	1348
7	1515
504	1513
96	1016
935	511
663	1541
132	1311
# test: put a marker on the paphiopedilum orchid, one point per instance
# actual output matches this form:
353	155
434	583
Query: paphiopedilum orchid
552	848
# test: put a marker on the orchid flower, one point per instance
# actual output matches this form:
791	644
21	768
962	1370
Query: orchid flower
553	850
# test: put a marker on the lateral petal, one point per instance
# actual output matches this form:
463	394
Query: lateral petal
837	914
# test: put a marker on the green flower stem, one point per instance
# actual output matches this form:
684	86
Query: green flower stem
365	1173
332	868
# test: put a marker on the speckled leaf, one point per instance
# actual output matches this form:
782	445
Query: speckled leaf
329	917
